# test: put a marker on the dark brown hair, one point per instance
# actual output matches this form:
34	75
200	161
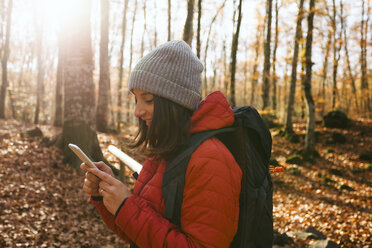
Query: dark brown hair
168	132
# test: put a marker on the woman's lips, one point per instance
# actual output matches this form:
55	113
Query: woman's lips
148	122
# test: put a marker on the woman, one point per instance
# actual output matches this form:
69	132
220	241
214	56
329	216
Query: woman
166	85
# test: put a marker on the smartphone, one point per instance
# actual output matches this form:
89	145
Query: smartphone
81	155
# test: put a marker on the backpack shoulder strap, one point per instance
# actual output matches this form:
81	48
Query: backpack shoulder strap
174	175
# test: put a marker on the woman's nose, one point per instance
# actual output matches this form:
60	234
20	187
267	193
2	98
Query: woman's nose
139	112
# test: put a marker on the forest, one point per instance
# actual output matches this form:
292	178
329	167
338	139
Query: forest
305	65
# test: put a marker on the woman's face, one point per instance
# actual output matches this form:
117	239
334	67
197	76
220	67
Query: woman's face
144	105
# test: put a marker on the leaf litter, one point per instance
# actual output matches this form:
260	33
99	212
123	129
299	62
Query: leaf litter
42	202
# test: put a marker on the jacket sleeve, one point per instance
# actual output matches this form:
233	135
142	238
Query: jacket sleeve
109	219
210	208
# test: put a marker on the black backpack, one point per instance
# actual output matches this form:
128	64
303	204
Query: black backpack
249	140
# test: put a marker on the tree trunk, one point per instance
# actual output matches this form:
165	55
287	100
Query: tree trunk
4	61
368	97
198	30
245	73
234	50
214	78
225	72
310	123
131	57
121	63
2	28
254	80
169	19
188	28
348	64
79	117
207	46
303	76
282	96
21	72
58	111
40	69
26	70
144	29
324	73
336	54
11	103
104	74
273	99
292	91
266	68
363	59
155	29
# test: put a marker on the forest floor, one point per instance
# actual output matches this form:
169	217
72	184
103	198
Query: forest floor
42	203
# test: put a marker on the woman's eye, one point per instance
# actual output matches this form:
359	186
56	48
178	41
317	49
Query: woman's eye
150	101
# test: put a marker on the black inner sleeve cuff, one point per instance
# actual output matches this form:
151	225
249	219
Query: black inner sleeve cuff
97	198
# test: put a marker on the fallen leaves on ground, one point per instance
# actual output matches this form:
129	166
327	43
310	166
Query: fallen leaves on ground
42	203
332	194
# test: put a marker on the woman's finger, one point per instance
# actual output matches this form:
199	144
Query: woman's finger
90	191
100	165
105	186
103	176
102	192
90	183
104	167
92	177
84	167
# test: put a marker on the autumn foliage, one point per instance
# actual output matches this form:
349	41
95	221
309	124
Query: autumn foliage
42	203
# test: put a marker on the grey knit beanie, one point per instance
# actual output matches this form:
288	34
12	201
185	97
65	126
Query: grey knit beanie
171	71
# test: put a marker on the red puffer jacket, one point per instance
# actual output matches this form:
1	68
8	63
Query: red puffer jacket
210	209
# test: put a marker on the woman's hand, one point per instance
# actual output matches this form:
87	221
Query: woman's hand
113	191
91	182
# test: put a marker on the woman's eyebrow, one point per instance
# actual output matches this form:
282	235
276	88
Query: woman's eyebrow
145	94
